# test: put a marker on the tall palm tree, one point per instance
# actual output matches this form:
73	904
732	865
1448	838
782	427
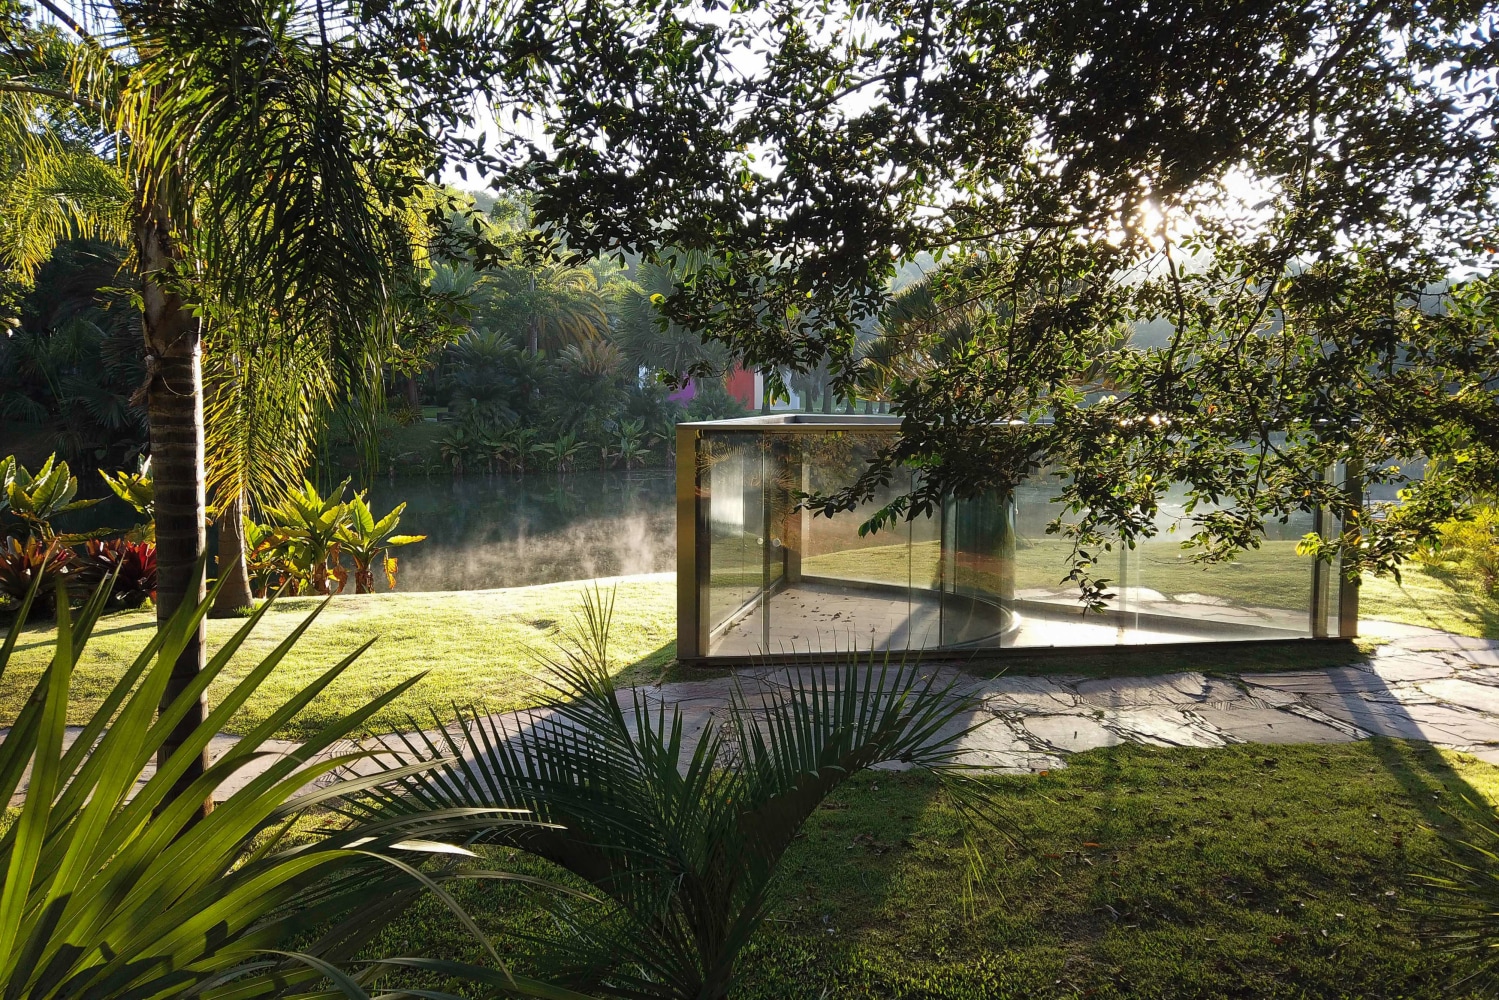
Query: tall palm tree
557	304
268	154
647	341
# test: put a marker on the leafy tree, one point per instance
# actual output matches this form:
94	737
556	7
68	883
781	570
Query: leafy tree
1232	246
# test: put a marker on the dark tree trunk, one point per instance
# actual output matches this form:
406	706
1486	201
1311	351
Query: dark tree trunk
235	593
413	394
174	403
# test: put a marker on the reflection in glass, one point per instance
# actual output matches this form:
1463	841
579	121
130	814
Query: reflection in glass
981	572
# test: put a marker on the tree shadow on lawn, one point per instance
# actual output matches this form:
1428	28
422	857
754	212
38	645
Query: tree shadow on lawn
1244	871
46	632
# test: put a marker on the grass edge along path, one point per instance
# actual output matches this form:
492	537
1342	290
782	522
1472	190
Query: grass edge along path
478	646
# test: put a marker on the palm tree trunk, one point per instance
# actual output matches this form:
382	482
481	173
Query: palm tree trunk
235	593
174	404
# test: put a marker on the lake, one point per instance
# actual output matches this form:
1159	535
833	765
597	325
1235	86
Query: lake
513	531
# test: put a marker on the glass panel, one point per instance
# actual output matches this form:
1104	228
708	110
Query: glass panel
731	474
1263	593
981	572
841	589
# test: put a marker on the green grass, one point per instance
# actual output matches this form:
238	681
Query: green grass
474	646
1427	596
1250	871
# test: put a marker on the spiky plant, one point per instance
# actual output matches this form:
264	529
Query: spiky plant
1461	913
680	835
115	885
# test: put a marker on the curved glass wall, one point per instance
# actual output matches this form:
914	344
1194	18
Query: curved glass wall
758	574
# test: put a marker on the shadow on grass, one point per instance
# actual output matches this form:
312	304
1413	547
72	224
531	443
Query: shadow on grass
1465	596
45	633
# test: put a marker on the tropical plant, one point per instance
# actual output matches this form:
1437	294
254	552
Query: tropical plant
682	838
309	527
31	562
1460	916
35	500
260	162
74	359
367	541
455	447
560	452
1467	549
116	887
264	562
630	447
138	489
128	565
552	305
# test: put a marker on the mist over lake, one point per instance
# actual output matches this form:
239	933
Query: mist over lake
514	531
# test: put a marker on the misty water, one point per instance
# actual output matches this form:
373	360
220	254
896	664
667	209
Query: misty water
513	531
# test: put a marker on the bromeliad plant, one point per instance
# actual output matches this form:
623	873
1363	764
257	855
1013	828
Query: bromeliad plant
31	563
367	541
115	886
129	567
682	839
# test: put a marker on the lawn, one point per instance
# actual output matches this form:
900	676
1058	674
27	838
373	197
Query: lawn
1248	871
475	644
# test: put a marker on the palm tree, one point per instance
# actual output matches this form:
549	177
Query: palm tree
267	161
682	841
648	342
557	304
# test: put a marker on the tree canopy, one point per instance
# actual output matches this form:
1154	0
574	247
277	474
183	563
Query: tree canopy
1232	245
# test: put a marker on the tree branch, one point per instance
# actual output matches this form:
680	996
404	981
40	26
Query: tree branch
68	21
10	86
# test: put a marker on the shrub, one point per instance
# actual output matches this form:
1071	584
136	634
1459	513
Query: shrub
30	563
1469	549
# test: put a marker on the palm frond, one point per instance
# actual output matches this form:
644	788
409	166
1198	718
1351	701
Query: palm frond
681	831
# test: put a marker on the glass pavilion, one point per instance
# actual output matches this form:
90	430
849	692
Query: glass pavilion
758	575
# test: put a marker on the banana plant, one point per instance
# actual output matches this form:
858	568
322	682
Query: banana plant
560	452
455	447
367	541
116	886
309	527
264	559
682	839
138	489
35	500
630	447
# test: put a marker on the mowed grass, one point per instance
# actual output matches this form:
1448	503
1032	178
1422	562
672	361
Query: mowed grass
475	647
1135	872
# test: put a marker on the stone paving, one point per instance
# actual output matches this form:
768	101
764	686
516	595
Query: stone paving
1420	684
